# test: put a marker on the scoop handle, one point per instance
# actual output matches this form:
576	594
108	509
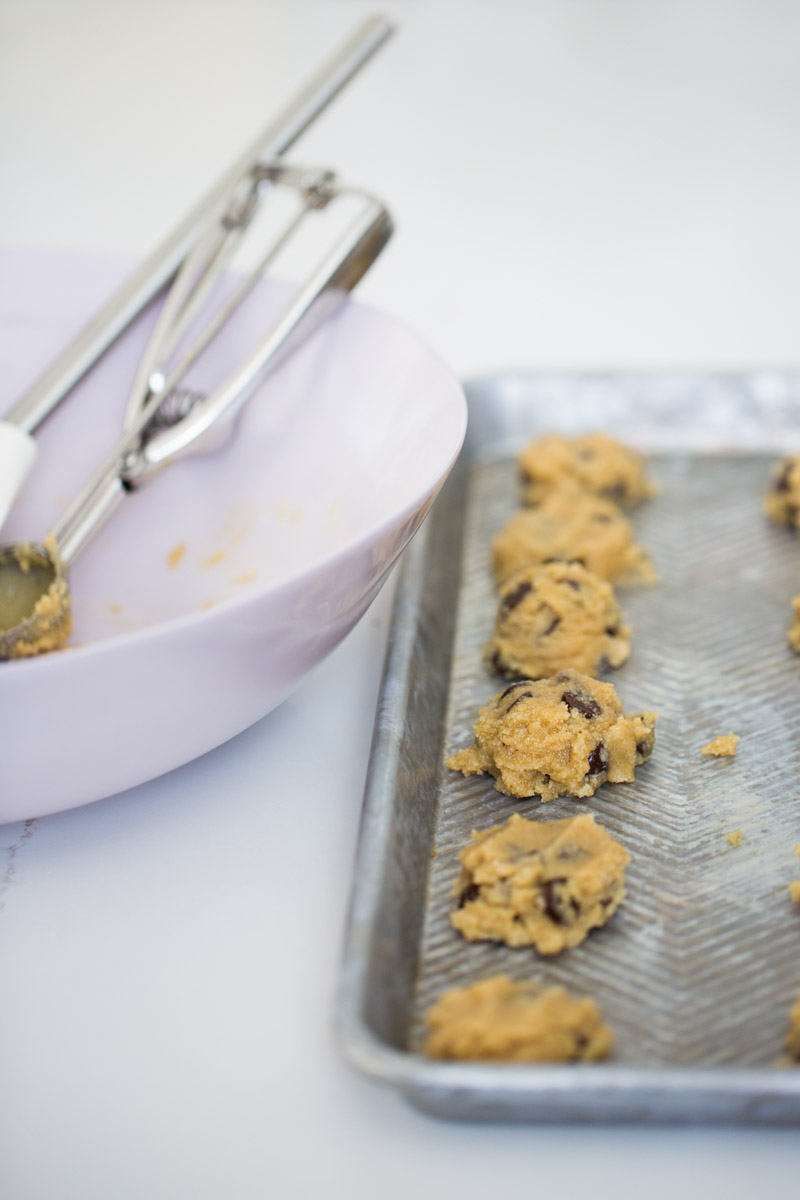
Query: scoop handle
17	455
148	280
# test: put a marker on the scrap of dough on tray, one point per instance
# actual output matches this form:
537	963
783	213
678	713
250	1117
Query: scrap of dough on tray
724	746
793	635
595	462
793	1036
555	616
545	884
497	1019
782	501
574	526
563	736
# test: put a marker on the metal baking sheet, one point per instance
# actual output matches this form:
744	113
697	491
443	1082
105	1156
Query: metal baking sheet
698	969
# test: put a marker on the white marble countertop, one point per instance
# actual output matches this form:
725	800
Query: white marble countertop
584	184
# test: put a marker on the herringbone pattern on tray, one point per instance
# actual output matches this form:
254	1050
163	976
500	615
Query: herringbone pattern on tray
702	961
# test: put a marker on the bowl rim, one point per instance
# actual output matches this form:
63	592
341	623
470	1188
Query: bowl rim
61	660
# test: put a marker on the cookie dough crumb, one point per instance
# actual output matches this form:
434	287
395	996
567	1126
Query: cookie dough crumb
794	890
539	883
595	462
793	1036
556	616
176	554
499	1020
722	747
793	636
735	838
214	559
782	501
560	736
572	525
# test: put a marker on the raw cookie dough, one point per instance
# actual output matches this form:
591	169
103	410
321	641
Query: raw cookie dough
560	736
782	501
34	596
594	461
556	616
794	628
793	1036
722	747
500	1020
569	524
539	883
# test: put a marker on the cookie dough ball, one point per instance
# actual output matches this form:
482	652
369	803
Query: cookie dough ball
571	525
594	461
782	501
499	1020
563	736
556	616
539	883
793	1036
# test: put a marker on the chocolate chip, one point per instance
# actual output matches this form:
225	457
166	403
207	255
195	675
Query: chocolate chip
512	599
782	483
643	748
616	492
603	665
585	705
525	476
516	853
560	908
499	666
516	700
568	852
612	630
573	583
470	893
513	686
554	622
598	760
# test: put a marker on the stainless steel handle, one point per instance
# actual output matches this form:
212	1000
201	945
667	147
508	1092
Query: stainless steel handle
131	459
347	261
151	277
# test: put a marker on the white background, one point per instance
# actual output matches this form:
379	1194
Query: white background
576	183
